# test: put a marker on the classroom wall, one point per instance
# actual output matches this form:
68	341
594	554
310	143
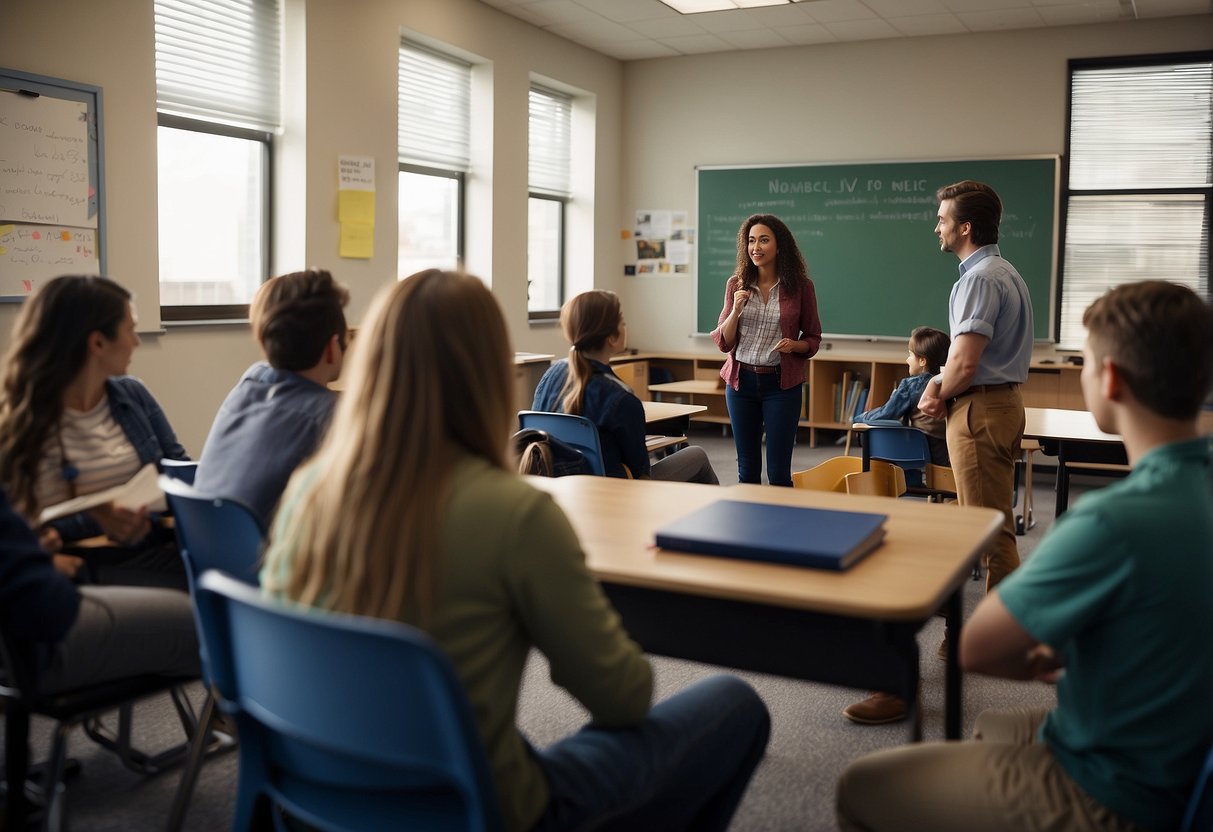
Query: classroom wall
340	99
949	97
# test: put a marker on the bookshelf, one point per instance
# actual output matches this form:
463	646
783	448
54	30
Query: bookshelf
694	378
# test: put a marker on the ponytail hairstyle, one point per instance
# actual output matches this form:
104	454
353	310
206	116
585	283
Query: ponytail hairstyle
588	320
49	349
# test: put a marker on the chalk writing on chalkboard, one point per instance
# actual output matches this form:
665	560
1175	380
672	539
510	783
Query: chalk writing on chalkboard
44	173
33	254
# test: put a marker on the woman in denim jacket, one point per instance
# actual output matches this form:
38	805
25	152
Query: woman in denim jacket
72	423
928	350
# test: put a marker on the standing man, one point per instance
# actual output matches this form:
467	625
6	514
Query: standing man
278	412
990	315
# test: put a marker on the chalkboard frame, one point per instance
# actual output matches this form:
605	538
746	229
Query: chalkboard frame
709	287
14	82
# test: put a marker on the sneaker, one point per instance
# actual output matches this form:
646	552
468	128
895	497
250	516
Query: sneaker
877	709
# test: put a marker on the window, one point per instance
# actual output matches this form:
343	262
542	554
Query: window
217	78
433	138
1140	179
550	153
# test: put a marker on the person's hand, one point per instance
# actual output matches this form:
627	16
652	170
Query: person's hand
930	403
739	300
49	540
122	525
67	565
1045	664
787	345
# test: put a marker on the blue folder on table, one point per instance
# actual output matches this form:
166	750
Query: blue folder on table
815	537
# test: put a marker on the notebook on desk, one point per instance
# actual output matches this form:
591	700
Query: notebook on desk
814	537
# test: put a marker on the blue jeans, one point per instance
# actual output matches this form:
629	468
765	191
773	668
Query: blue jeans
758	403
685	767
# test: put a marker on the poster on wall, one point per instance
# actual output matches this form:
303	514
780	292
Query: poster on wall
662	242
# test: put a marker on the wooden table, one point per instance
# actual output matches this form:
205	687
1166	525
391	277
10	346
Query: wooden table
667	424
855	628
664	411
1073	437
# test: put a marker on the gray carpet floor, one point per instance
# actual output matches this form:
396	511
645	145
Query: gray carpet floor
811	743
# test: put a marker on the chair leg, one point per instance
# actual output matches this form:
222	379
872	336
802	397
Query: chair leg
189	776
56	792
16	760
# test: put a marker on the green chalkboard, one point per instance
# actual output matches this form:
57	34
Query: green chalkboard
867	234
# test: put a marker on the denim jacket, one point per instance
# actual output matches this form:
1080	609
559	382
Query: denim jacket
612	406
139	415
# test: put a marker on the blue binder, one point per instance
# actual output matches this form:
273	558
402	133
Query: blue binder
814	537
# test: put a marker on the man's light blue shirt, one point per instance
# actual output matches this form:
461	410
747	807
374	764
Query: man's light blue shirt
991	299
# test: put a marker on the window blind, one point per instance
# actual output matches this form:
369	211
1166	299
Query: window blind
218	60
434	105
550	145
1146	129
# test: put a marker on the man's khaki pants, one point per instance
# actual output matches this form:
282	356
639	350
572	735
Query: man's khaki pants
1001	781
985	429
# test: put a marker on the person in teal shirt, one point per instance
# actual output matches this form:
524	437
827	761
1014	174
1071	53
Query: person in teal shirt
1111	606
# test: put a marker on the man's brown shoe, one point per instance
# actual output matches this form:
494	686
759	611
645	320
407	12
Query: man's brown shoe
943	649
877	709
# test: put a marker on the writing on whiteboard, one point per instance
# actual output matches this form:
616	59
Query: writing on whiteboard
30	255
44	161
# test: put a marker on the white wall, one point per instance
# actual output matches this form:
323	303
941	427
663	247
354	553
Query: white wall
342	92
953	97
947	97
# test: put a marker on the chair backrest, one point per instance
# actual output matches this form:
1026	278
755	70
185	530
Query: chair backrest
882	480
829	475
345	722
903	446
179	469
577	431
214	533
1199	815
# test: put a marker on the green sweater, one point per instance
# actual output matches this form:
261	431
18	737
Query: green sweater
513	577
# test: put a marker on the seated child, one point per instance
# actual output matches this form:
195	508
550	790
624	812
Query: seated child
584	385
928	352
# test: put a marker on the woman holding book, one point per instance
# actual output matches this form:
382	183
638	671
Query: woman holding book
768	327
585	385
73	423
410	511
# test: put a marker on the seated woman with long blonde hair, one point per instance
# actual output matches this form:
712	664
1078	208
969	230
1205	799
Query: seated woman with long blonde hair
410	511
585	385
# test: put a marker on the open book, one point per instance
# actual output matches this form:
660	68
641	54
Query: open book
139	491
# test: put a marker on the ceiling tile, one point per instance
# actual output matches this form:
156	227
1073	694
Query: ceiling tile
1166	8
928	24
862	29
627	11
804	35
729	21
694	44
638	50
907	8
670	27
753	39
561	11
828	11
985	5
1092	11
593	34
1001	19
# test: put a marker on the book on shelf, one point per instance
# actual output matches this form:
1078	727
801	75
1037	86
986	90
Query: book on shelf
141	490
797	536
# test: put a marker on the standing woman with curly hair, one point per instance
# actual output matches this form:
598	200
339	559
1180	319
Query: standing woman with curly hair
768	327
73	423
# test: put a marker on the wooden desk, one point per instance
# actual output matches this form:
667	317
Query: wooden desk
854	628
663	411
1074	438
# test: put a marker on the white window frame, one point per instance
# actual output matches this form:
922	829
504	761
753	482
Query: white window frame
549	174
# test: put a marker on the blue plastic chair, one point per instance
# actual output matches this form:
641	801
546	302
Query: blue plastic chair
907	448
577	431
1199	815
345	722
179	469
212	533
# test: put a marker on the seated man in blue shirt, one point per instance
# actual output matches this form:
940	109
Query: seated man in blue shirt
69	637
1110	607
277	414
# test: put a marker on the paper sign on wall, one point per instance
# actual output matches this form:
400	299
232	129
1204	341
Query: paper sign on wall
356	206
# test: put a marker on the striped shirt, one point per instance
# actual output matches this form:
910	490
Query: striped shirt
92	443
758	330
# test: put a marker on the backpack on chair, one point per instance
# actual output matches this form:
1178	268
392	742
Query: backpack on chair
544	455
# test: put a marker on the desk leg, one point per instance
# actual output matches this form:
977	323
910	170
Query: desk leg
953	703
1063	481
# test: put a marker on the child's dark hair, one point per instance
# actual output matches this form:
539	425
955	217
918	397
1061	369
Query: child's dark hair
931	344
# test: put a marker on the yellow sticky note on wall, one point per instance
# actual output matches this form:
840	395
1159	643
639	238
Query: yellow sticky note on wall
357	240
356	206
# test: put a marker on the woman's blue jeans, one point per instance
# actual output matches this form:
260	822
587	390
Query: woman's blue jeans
756	405
685	767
